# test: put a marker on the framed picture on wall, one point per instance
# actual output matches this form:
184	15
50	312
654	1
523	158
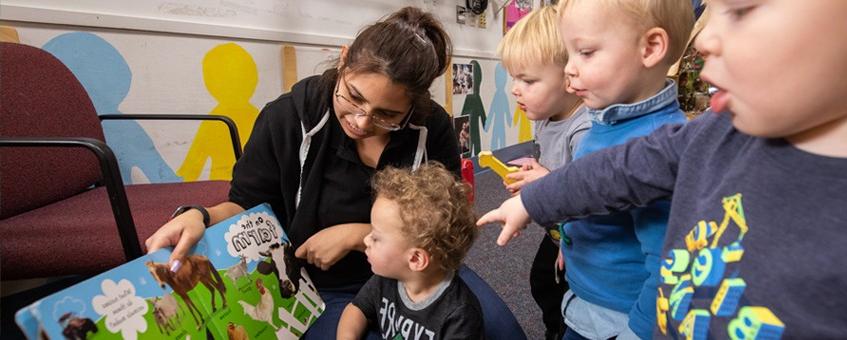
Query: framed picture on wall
461	15
462	127
463	79
514	11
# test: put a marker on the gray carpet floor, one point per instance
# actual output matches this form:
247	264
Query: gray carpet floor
506	268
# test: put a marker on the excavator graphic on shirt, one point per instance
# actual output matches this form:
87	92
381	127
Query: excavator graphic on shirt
702	265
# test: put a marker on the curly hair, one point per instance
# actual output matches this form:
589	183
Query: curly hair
434	208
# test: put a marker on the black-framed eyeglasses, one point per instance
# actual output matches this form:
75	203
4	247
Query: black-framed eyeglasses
379	119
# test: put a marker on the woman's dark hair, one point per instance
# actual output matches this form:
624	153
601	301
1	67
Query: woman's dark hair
409	47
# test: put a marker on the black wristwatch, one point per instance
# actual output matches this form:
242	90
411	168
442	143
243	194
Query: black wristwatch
183	208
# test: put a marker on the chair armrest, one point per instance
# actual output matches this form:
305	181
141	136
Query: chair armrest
233	130
111	178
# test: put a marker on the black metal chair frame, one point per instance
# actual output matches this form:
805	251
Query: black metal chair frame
110	171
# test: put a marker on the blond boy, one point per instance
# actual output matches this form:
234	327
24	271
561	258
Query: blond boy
533	53
754	241
422	228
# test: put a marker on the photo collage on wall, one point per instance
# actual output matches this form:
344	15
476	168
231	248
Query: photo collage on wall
463	84
463	79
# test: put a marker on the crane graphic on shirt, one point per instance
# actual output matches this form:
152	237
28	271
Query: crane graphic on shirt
703	265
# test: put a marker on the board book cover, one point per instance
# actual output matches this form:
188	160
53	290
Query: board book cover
241	281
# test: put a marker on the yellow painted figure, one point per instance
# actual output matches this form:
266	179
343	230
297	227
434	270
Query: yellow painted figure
524	128
230	75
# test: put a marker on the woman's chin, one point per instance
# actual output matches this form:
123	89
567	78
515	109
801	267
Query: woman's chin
353	135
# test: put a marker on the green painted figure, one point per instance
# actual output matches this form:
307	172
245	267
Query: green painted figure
473	107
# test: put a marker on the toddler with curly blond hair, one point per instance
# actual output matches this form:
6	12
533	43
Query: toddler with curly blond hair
422	228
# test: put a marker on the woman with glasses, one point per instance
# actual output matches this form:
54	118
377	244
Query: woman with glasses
313	151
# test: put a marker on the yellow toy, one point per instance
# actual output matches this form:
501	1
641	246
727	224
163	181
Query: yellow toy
487	160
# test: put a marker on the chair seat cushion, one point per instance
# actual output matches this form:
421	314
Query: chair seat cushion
79	235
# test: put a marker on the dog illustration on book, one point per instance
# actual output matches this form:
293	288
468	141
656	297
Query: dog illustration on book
285	266
195	269
75	327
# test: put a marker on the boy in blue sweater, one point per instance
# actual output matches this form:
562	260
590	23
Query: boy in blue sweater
754	247
620	52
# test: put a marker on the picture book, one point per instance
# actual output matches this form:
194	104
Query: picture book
241	281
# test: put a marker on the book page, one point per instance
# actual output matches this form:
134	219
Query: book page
268	291
240	281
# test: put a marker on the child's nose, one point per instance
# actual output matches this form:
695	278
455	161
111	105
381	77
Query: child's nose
707	46
707	42
570	69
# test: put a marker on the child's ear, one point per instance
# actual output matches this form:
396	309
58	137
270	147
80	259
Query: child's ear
655	44
419	259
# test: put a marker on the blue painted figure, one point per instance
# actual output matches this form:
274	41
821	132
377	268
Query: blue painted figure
104	73
499	111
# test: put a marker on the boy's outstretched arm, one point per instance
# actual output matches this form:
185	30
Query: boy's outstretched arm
352	324
614	179
512	214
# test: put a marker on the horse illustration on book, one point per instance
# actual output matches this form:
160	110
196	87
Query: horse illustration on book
195	269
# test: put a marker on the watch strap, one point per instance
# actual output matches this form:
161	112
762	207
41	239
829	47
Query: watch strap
183	208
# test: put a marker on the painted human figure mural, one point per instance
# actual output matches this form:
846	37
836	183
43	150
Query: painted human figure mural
498	112
473	107
524	127
230	76
106	77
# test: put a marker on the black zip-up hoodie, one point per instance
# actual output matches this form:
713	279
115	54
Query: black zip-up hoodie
303	122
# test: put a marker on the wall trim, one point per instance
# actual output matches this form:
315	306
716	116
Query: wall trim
143	24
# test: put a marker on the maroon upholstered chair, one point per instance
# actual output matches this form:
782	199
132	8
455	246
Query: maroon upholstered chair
63	206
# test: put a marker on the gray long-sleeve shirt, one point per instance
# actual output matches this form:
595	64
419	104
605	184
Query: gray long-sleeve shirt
557	140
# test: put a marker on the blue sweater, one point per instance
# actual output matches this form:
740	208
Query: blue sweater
613	260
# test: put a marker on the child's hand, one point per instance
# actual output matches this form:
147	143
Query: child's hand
560	261
512	214
559	267
530	172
